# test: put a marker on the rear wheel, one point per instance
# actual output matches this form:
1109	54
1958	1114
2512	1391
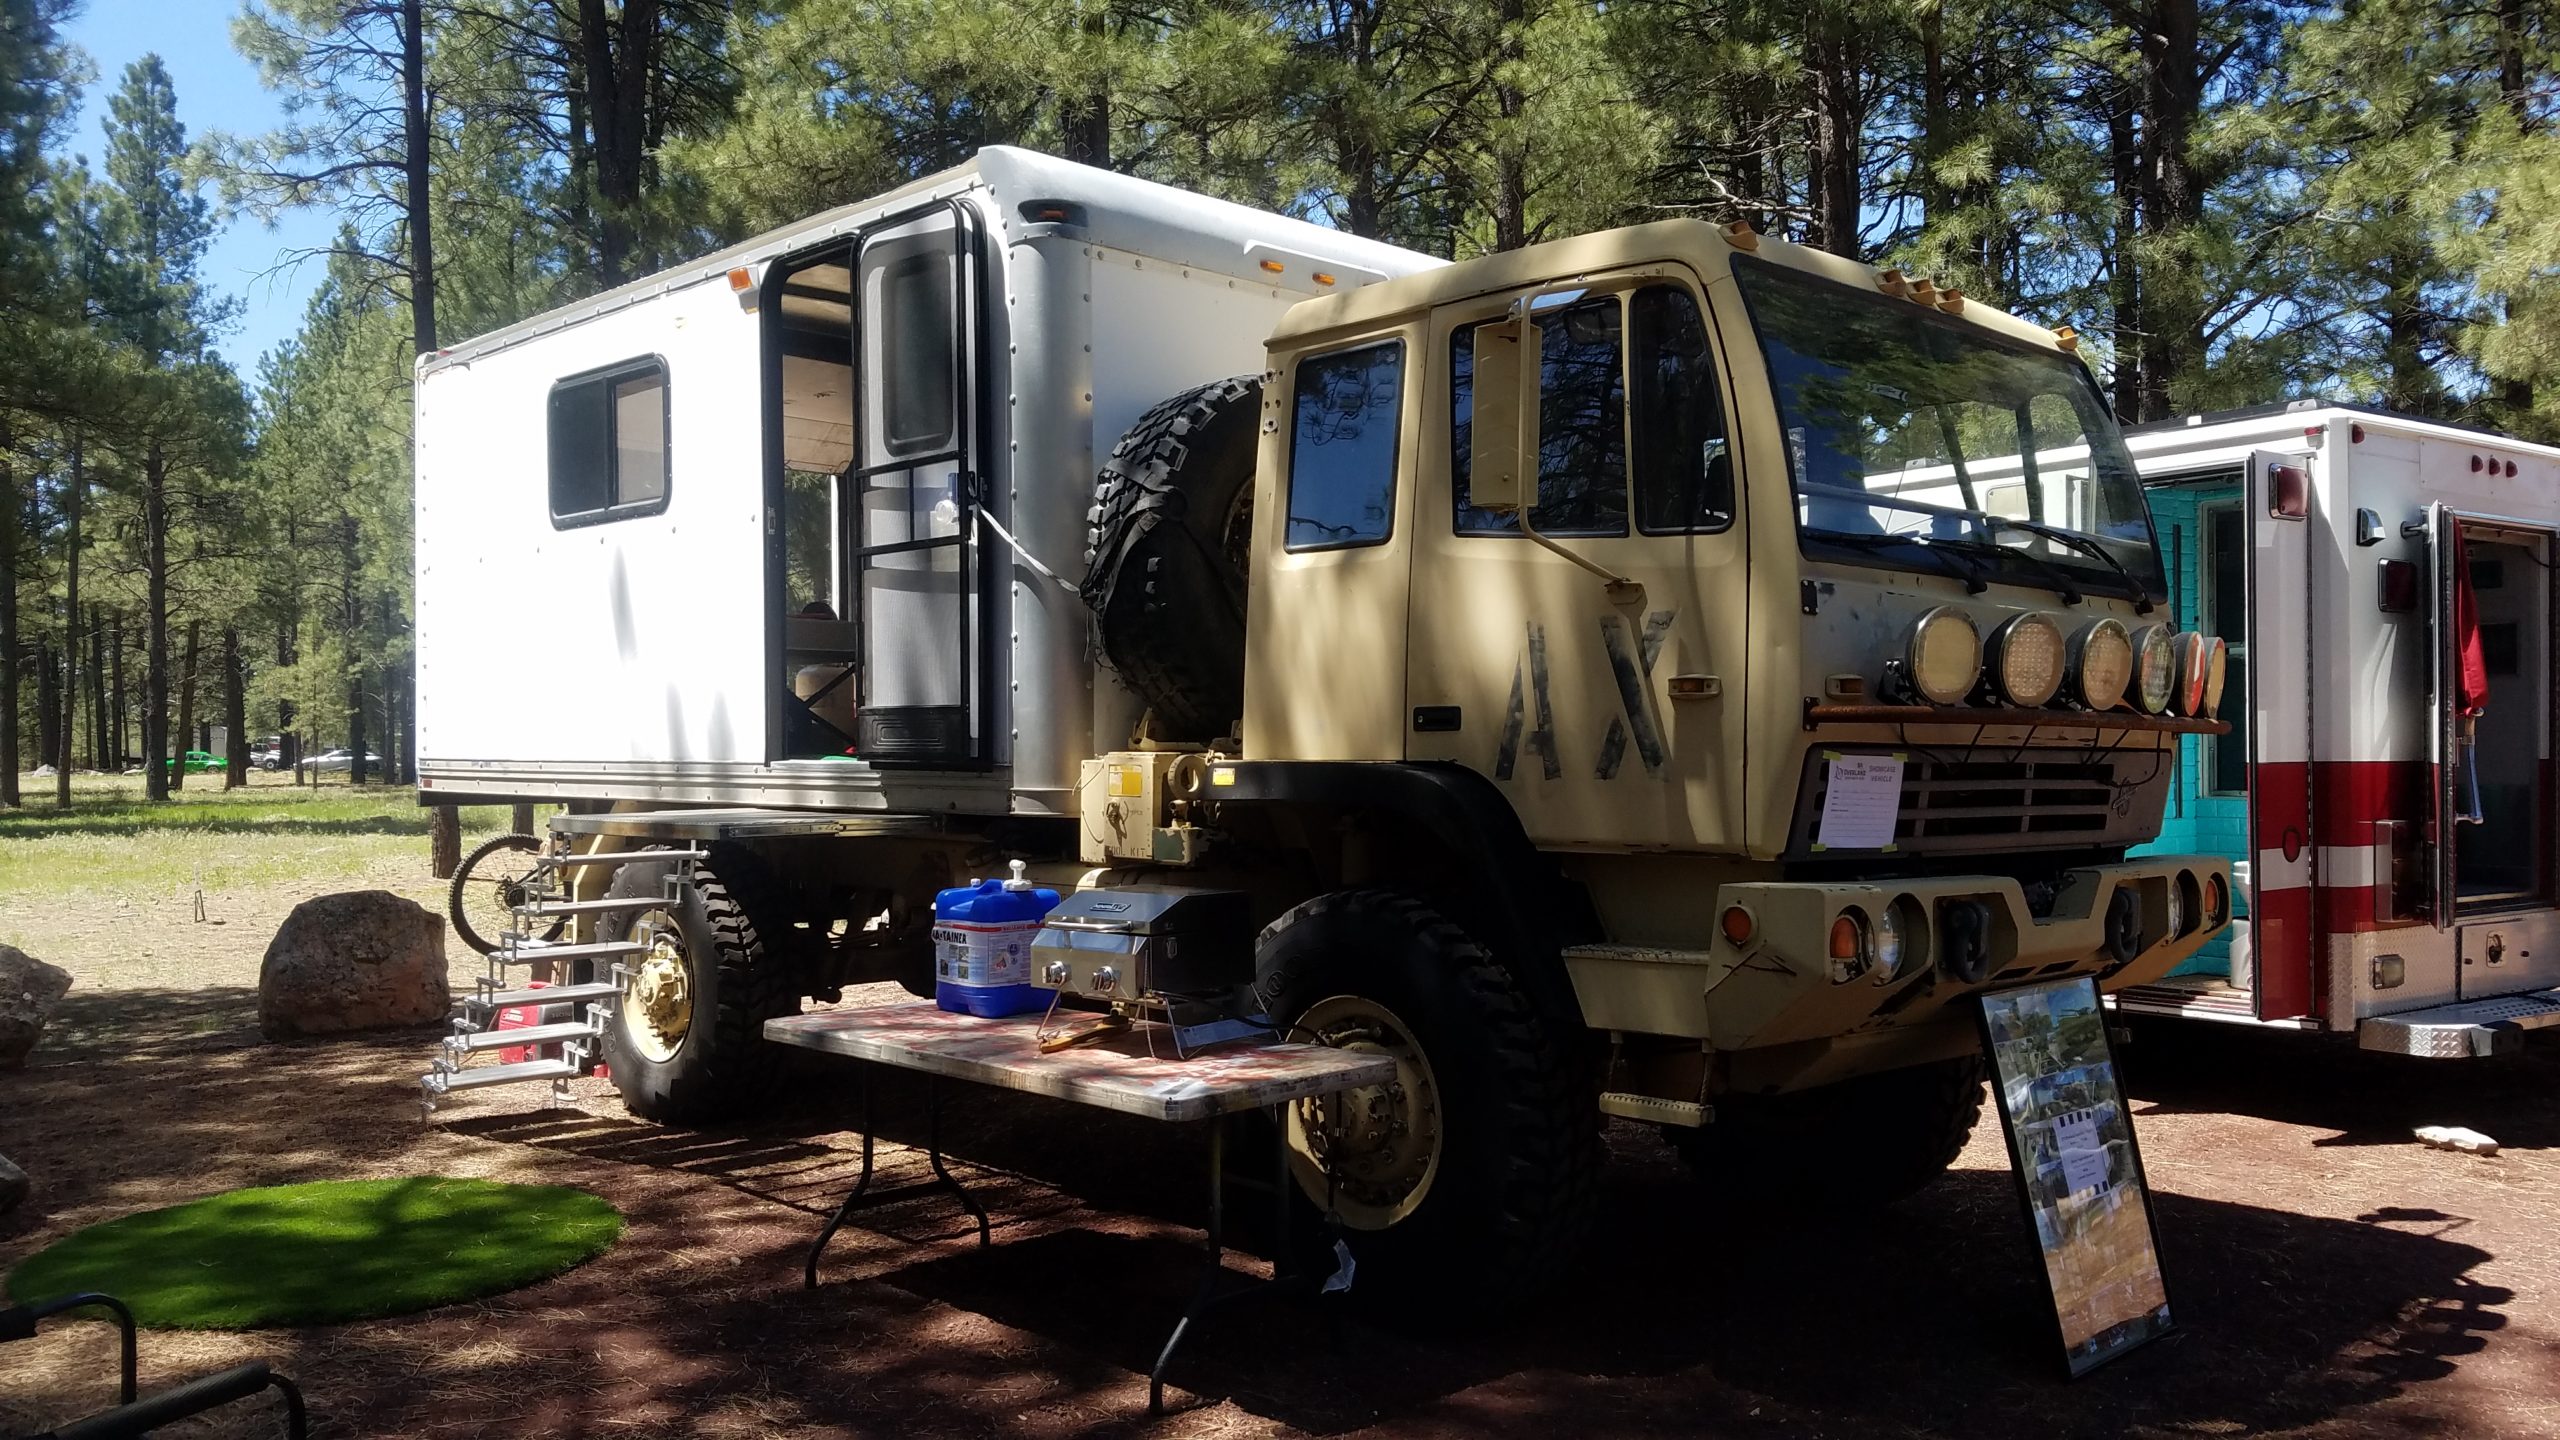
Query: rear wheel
486	888
1853	1146
686	1038
1467	1183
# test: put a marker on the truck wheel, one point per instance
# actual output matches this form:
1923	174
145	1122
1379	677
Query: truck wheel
1165	558
686	1038
1468	1183
1857	1145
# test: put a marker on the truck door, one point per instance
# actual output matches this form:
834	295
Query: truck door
920	582
2282	946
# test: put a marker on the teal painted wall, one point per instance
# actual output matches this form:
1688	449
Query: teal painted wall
2196	823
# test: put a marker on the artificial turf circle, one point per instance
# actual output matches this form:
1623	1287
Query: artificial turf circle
322	1253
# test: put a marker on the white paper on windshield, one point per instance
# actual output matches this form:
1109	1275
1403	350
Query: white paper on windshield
1861	802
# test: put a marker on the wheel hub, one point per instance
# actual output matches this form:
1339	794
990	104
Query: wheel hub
659	1009
1372	1150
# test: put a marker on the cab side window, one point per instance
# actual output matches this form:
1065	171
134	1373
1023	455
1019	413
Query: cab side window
1342	450
1683	465
608	443
1582	425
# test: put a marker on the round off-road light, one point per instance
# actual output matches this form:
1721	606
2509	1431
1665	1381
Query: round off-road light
1737	926
2025	658
1849	946
2193	667
2217	899
2217	669
2101	664
2155	668
1944	656
2186	903
1897	938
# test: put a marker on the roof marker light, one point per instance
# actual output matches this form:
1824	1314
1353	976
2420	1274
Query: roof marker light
1274	266
2067	338
1741	236
1322	278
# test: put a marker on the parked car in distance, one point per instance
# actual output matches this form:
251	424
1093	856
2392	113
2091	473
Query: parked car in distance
341	758
200	762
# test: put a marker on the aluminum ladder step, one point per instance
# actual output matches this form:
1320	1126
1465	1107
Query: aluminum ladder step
547	995
445	1082
538	908
525	954
617	857
479	1040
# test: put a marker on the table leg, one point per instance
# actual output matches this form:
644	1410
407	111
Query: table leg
933	1153
1207	1294
835	1222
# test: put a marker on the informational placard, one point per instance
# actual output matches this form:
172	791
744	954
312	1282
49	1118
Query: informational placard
1861	802
2071	1139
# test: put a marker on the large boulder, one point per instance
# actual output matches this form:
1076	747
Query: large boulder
13	1185
29	989
364	960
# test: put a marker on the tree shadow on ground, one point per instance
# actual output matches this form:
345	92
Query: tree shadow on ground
2324	1081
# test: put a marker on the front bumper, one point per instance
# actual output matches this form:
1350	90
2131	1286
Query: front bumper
1779	987
2464	1029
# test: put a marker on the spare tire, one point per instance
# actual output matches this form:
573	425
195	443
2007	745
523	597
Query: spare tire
1166	555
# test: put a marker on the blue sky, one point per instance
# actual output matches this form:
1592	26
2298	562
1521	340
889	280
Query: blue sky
217	90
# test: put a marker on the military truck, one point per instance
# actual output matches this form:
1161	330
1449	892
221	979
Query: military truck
1610	670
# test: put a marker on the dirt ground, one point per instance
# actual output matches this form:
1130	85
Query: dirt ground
2330	1277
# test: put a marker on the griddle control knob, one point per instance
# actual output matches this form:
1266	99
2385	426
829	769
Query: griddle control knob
1106	978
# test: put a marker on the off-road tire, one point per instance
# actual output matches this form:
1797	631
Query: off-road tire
1164	564
476	871
725	1069
1858	1145
1518	1181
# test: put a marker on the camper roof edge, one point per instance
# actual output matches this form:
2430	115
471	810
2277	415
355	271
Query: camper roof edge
1123	213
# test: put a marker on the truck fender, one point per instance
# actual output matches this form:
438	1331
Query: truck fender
1521	909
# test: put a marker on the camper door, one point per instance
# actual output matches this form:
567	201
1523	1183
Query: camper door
2278	699
2490	731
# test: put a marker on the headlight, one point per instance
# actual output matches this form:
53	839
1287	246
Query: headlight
2155	668
2193	665
2101	664
2178	907
2217	669
2025	660
1944	656
1892	938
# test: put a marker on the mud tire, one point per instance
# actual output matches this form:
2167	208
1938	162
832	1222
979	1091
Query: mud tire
1165	562
1512	1201
725	1069
1859	1145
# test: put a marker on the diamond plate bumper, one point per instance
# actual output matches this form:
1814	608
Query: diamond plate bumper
2464	1029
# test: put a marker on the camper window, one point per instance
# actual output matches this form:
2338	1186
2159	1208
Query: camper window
916	344
1342	462
608	441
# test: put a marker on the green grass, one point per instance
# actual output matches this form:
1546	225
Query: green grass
324	1253
271	830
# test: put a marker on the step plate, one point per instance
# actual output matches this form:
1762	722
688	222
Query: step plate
522	1035
446	1082
2464	1029
547	995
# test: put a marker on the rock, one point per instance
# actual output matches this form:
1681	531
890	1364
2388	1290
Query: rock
2457	1137
13	1185
364	960
29	989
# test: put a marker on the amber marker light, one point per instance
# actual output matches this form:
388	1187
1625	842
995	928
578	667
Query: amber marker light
1737	926
1844	937
1274	266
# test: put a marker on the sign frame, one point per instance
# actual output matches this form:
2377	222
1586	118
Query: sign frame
2063	1248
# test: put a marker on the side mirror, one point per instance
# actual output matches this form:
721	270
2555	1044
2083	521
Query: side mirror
1502	448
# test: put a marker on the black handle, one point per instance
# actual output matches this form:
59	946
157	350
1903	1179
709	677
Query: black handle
223	1387
18	1322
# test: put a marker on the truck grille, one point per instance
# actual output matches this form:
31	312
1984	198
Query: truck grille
2009	801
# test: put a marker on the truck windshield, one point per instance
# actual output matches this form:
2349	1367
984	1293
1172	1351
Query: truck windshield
1911	434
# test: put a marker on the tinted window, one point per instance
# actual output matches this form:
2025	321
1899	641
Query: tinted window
1683	468
608	443
916	342
1582	425
1342	457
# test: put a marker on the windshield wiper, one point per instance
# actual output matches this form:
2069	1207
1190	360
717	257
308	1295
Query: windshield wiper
1955	566
2054	575
2086	546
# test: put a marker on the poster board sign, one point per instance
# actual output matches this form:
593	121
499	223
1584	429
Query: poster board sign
2071	1141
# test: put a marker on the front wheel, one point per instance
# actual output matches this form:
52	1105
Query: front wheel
686	1040
1468	1182
488	886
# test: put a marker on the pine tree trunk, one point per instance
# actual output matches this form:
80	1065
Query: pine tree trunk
186	736
99	710
74	499
10	514
444	841
2124	288
155	619
235	713
121	752
48	700
1838	135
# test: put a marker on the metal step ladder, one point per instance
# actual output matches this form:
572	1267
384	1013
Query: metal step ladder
543	901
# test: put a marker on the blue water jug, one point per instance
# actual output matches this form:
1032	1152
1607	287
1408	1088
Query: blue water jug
982	935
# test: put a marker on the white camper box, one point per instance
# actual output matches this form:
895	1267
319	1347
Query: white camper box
660	557
2323	541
